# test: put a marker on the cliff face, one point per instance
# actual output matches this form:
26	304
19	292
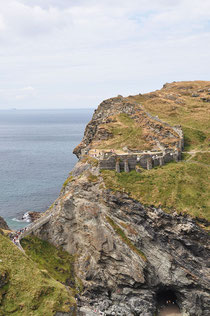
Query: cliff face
131	258
127	254
3	224
106	130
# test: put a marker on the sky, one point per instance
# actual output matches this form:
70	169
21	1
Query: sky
76	53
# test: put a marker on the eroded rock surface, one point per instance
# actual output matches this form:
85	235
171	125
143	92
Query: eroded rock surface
132	259
3	224
125	252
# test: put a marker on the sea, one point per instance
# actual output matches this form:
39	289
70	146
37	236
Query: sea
35	158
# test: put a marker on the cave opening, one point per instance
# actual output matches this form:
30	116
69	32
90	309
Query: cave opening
167	302
166	296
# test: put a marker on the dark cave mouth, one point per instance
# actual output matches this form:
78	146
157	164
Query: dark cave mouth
165	297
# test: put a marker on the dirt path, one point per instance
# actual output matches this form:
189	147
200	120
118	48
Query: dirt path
193	153
196	151
170	311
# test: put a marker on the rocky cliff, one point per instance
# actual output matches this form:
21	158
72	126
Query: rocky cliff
130	257
3	224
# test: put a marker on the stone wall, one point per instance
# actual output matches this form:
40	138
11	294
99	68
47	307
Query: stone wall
129	162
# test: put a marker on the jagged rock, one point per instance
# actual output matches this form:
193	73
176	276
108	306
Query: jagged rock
205	99
129	257
34	215
127	253
73	312
3	224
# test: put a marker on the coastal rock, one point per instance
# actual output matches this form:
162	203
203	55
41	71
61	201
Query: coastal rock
127	254
3	224
132	259
34	215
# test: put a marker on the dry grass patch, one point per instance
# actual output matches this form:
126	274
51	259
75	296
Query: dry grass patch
125	132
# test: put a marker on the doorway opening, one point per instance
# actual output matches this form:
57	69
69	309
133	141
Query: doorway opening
167	304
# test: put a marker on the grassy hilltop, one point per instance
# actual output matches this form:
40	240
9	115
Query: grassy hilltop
184	103
182	186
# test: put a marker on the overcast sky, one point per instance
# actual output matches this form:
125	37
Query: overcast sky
75	53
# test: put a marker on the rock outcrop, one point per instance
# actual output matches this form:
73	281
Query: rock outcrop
129	257
157	134
34	215
128	254
3	224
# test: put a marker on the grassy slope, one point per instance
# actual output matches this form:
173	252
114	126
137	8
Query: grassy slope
29	291
189	112
174	186
182	186
126	132
56	261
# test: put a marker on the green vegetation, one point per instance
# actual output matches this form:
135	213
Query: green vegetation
182	109
57	262
186	156
202	158
194	138
183	187
28	290
69	179
125	239
126	132
92	178
92	161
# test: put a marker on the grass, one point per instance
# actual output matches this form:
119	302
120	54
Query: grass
56	261
69	179
29	290
191	113
183	187
194	139
186	156
125	239
126	133
92	161
202	158
92	178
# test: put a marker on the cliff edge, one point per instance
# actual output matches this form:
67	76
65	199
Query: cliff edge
139	239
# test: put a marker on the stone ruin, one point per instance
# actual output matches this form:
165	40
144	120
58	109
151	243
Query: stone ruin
136	161
167	141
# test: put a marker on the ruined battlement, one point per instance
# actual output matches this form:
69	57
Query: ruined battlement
135	161
108	137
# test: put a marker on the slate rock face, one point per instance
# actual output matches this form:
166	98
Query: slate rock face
105	110
130	258
128	254
3	224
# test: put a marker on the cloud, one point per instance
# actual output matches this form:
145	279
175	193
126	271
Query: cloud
28	89
87	50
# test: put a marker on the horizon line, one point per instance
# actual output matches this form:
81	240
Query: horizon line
46	109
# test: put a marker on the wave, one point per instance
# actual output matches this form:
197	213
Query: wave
25	218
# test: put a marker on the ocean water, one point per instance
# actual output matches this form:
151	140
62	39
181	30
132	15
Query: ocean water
36	158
